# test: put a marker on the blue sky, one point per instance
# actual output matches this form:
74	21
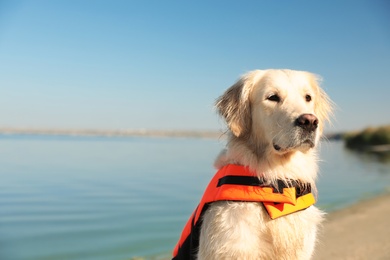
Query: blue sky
161	64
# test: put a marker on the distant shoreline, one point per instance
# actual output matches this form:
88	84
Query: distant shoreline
112	133
127	133
374	140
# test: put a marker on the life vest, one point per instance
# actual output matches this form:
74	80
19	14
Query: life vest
238	183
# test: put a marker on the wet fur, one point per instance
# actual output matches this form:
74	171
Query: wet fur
243	230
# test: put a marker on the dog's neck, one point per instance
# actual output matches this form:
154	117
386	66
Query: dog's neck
270	165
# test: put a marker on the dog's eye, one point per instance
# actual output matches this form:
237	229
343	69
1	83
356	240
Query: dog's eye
308	98
274	98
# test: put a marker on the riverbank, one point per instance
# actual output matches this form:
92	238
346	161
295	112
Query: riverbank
369	140
360	231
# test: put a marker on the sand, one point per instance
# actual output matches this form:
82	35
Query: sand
361	231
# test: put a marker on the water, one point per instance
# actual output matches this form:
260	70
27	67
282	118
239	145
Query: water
118	198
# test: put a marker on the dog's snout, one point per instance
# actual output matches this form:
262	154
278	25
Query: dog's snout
308	122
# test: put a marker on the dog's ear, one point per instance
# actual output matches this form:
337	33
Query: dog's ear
323	106
234	105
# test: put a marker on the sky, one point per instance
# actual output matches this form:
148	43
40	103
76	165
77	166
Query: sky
160	65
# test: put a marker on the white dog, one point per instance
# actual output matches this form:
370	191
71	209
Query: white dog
275	120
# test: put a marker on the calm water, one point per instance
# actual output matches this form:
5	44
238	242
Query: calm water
118	198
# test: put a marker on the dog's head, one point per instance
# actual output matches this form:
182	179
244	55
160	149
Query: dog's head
276	110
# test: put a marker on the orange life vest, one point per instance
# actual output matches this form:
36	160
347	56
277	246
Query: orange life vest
238	183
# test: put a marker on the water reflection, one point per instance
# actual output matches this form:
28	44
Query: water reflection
366	155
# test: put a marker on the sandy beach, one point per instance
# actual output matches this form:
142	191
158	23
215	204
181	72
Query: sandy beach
361	231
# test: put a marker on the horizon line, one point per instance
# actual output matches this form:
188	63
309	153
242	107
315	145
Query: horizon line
111	132
128	132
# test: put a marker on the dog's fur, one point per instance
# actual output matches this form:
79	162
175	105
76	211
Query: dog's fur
261	112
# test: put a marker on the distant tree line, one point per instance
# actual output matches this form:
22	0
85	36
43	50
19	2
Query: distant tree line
368	137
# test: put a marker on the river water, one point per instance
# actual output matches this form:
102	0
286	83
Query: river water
119	198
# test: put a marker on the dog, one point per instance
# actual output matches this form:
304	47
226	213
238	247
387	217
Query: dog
275	120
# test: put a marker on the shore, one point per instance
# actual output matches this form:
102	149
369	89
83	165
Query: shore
361	231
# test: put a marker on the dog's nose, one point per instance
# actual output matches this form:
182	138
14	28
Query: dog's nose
308	122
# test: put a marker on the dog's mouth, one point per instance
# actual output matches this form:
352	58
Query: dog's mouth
295	141
308	142
304	145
